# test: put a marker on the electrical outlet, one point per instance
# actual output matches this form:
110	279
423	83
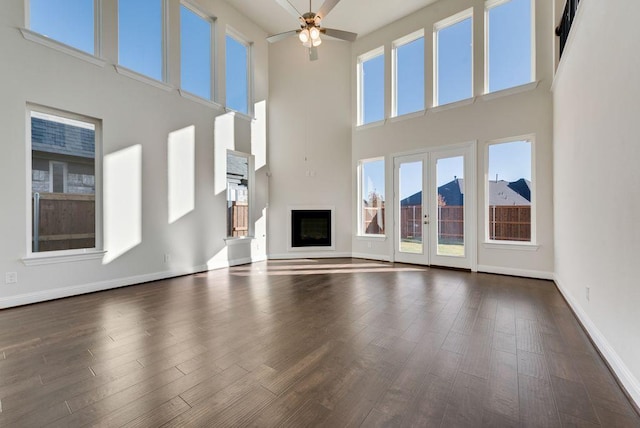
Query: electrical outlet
11	277
587	292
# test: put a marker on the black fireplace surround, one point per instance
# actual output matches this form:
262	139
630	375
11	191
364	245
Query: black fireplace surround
310	228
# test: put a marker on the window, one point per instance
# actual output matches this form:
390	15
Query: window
408	74
140	36
371	87
239	182
195	52
453	59
509	59
371	201
509	191
63	181
69	22
237	74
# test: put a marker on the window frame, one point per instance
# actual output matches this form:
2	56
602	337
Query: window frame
56	256
491	4
360	196
164	46
240	38
398	43
361	59
250	197
530	138
192	7
440	25
97	31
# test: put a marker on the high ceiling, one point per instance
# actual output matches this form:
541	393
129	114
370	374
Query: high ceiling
357	16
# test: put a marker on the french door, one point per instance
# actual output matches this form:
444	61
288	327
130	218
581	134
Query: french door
434	207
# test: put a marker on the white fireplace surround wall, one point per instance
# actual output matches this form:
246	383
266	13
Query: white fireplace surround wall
292	208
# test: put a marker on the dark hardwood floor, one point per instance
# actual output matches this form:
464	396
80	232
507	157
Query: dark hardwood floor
340	342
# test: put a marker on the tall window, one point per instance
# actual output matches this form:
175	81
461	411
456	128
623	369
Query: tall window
371	201
371	86
195	52
510	195
408	74
453	63
509	44
68	21
239	182
237	74
63	181
140	36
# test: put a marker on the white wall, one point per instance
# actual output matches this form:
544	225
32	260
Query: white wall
309	137
597	178
488	118
137	119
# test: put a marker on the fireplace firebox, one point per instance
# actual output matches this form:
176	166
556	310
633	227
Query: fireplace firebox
311	228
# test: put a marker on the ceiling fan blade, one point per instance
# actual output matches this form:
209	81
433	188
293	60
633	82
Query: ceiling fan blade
313	54
289	8
280	36
326	8
339	34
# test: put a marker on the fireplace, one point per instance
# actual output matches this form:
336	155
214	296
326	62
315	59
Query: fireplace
311	228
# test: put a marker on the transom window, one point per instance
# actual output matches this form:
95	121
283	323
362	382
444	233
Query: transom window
64	182
509	44
408	74
195	52
141	36
237	73
68	22
371	86
371	199
509	191
453	62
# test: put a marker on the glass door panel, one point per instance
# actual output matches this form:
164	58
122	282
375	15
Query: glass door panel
410	214
450	202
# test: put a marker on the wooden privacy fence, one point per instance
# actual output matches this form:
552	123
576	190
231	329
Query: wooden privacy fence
506	222
63	221
238	219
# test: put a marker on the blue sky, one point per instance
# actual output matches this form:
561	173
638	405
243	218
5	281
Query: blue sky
68	21
195	53
236	72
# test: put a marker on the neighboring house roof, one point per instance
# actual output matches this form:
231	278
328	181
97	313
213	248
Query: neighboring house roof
61	138
500	193
236	166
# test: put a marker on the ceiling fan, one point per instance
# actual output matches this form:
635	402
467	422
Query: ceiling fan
310	29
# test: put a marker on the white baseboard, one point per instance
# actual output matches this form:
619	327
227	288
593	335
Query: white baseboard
538	274
379	257
628	380
59	293
309	255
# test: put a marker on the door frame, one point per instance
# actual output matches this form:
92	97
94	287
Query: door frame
430	155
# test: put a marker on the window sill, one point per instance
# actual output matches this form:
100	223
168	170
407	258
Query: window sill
239	241
371	237
510	245
371	125
455	104
408	116
510	91
61	47
55	257
200	100
142	78
239	115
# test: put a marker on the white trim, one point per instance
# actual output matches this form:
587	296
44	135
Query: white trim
308	255
395	45
244	41
366	256
238	114
360	60
142	78
510	91
510	246
452	105
55	257
375	124
526	273
370	237
630	383
244	240
291	208
406	116
61	47
203	101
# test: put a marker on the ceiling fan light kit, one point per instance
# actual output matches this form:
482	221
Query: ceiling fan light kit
310	29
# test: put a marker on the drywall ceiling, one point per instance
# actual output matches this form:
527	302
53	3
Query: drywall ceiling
357	16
